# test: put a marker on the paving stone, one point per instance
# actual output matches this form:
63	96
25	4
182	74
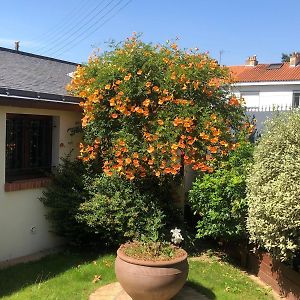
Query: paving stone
114	291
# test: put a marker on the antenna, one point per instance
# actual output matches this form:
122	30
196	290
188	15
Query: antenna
220	56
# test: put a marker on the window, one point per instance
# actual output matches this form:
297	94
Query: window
296	98
28	146
251	99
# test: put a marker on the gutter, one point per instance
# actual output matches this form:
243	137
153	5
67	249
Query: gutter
38	96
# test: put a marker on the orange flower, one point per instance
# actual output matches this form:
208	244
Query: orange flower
127	160
174	147
139	110
114	116
173	76
233	101
224	143
161	101
139	72
148	84
107	172
127	77
156	89
174	46
118	153
212	149
136	163
107	87
135	155
160	122
112	102
214	140
157	173
177	121
150	149
213	117
118	82
187	122
146	102
150	162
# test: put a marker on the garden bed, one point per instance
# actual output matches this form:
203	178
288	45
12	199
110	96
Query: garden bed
284	280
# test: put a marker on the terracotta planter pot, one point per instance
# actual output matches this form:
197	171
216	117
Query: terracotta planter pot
148	280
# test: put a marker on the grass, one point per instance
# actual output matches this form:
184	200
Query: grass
218	279
70	275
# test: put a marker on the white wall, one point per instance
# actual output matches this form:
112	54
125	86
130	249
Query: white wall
21	210
269	95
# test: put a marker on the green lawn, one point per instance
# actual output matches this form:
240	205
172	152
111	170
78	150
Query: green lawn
70	275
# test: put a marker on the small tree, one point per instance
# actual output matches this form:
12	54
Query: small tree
273	187
149	109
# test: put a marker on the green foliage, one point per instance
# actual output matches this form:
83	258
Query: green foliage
88	208
120	210
63	198
273	187
219	197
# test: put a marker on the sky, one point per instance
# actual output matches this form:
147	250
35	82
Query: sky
228	29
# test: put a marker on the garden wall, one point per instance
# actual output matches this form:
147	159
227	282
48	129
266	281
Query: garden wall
284	280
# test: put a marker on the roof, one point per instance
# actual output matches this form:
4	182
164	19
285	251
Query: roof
29	75
263	72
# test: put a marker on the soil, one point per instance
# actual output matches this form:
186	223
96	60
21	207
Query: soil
152	251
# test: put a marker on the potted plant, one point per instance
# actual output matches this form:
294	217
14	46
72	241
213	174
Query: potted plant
152	269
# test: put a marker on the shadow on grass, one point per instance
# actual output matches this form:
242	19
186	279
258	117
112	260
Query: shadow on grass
201	289
15	278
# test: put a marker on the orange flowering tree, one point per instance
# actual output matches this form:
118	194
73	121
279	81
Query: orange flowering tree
149	109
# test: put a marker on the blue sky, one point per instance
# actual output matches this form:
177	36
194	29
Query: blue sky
70	29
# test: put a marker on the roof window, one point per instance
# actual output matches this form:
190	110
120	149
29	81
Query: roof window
274	66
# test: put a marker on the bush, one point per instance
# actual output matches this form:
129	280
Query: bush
148	109
63	198
273	187
121	210
220	198
88	208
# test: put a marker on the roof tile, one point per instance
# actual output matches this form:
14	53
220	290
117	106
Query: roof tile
260	73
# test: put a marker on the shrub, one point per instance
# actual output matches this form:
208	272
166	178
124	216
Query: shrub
148	109
220	198
121	210
63	198
273	187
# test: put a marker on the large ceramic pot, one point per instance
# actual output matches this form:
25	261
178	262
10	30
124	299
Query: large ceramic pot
149	280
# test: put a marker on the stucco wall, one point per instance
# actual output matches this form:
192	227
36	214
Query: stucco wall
270	95
20	211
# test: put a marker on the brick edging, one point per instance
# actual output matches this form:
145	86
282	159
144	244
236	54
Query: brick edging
27	184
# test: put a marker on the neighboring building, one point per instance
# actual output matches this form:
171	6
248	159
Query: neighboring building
35	115
268	86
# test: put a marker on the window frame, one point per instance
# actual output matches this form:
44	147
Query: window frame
31	139
296	94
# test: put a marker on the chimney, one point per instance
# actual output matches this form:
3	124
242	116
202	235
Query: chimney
17	45
251	61
294	59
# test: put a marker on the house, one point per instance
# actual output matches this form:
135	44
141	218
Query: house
35	115
267	87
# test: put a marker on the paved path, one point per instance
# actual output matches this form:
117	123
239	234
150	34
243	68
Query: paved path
114	291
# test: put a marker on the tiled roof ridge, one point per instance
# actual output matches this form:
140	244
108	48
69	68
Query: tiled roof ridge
37	56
